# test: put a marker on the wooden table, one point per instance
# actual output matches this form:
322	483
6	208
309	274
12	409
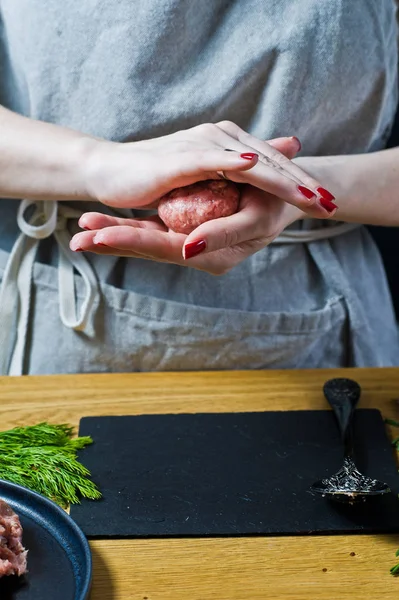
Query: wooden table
295	568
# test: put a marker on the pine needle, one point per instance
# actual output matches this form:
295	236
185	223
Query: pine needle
43	458
392	422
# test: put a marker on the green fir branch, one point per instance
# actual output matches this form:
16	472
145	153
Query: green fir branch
43	458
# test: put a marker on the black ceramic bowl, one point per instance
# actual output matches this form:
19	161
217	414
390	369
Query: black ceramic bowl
59	557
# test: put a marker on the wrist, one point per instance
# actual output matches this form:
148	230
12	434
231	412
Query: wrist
73	167
338	175
98	162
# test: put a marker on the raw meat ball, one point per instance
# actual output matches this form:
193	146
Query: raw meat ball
185	208
12	552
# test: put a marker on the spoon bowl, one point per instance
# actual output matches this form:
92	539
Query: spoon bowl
348	485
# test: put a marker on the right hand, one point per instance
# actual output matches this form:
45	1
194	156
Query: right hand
137	174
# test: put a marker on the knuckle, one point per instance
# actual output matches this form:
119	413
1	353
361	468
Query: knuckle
310	182
277	157
229	127
244	137
260	243
230	237
208	129
226	123
194	129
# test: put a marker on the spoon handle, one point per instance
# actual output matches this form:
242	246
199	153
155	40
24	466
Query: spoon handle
343	395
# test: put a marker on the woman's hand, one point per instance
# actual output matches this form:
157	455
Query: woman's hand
137	174
216	246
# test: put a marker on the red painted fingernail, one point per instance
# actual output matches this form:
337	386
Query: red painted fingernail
86	228
98	243
325	194
298	142
306	192
78	250
194	248
249	155
328	205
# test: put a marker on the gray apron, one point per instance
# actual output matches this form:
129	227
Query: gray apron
325	71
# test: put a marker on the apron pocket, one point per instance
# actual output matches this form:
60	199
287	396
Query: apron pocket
135	332
165	335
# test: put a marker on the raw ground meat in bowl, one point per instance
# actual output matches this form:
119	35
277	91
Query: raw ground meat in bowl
12	553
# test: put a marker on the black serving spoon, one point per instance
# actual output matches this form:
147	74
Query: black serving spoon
348	485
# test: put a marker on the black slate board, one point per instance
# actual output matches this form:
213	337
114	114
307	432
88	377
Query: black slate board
230	474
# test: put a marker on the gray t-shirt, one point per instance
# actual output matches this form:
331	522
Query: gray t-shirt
324	70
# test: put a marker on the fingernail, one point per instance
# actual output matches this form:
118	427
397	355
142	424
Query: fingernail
325	194
82	224
298	142
86	228
306	192
98	243
328	205
249	155
193	249
78	250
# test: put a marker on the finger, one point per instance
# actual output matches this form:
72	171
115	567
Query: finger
95	220
160	245
251	223
204	164
157	246
281	162
157	173
270	176
81	241
84	242
289	146
182	168
163	247
274	182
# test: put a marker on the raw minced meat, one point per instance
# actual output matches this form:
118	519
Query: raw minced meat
12	553
185	208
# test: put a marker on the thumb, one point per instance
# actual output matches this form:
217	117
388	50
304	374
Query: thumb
289	146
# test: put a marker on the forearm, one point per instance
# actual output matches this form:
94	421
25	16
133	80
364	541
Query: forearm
41	161
366	186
